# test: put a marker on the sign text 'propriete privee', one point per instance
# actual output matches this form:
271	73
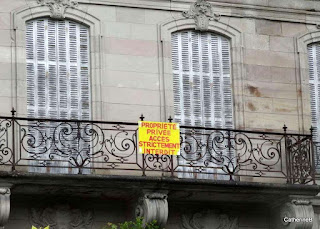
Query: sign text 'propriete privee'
159	138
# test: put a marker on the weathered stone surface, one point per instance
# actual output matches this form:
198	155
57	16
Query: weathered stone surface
5	21
144	32
267	27
246	25
281	44
105	13
131	47
285	106
260	42
129	112
270	90
293	29
259	104
125	79
130	15
157	16
258	73
271	122
132	63
130	96
268	58
283	75
117	29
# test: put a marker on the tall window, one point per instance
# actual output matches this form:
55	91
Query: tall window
314	84
57	69
202	89
58	87
201	79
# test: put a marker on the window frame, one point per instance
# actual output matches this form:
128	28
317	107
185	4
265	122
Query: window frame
236	55
304	100
61	101
27	13
215	70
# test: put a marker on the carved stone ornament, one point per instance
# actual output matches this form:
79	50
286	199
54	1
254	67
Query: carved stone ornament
61	217
153	206
58	7
209	219
5	205
201	12
297	214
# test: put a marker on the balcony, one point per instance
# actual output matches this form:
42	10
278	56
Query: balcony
110	148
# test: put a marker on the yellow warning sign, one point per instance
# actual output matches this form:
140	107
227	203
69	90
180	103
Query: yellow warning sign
159	138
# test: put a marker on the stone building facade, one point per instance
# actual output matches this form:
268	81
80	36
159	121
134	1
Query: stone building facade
128	62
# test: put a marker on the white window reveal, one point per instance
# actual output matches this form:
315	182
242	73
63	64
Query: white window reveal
201	81
58	84
314	84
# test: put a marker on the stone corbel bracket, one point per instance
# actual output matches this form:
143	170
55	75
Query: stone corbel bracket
201	11
153	206
58	7
4	205
299	209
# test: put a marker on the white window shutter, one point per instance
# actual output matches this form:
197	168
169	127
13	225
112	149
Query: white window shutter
201	83
201	79
58	75
58	83
314	85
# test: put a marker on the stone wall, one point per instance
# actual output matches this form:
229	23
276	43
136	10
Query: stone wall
129	72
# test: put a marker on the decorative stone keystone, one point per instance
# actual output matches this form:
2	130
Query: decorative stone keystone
297	214
201	12
4	205
153	206
58	7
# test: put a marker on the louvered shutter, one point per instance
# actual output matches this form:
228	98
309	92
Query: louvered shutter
314	84
201	82
58	70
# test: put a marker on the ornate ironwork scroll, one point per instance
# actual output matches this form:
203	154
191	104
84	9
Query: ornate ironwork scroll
70	146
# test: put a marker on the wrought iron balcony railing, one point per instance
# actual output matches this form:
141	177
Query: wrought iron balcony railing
96	147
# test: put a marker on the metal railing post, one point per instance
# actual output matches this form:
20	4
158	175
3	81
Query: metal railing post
13	112
287	154
143	155
171	156
229	155
313	166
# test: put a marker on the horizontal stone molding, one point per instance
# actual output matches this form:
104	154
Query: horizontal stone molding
281	10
